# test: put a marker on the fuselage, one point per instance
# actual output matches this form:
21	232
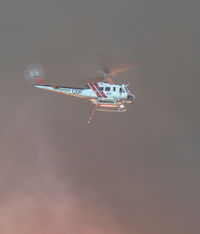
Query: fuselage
95	92
110	92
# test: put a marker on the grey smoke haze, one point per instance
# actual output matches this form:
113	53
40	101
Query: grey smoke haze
132	173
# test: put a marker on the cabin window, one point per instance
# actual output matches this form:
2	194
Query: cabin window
121	90
100	88
107	89
114	88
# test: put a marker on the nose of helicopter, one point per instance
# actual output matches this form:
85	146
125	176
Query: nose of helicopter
131	98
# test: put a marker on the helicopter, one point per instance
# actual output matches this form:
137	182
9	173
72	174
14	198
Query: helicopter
103	92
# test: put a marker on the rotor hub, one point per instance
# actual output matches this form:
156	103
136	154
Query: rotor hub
34	73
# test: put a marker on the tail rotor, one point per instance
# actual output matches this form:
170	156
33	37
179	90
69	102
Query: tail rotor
34	74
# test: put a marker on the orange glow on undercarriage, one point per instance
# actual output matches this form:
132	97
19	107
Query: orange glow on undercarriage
110	105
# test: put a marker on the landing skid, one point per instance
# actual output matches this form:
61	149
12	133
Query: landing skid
111	110
106	108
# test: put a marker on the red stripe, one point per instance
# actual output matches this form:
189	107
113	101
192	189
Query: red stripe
39	81
94	89
97	87
101	92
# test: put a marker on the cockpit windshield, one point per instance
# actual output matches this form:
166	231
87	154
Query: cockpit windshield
126	90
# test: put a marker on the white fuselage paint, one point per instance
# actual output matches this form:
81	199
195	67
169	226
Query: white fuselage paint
110	92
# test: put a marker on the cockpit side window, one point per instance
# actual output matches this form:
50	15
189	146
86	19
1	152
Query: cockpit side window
100	88
121	90
107	89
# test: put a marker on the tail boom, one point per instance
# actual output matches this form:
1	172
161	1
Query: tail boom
77	92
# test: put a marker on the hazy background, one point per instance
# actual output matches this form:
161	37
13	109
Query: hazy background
136	172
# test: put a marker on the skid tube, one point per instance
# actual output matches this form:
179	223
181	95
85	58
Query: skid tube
106	108
111	109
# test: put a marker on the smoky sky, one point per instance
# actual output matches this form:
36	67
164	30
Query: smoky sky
136	172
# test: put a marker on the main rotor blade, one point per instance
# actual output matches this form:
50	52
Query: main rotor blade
110	81
114	65
124	68
99	79
110	66
94	80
